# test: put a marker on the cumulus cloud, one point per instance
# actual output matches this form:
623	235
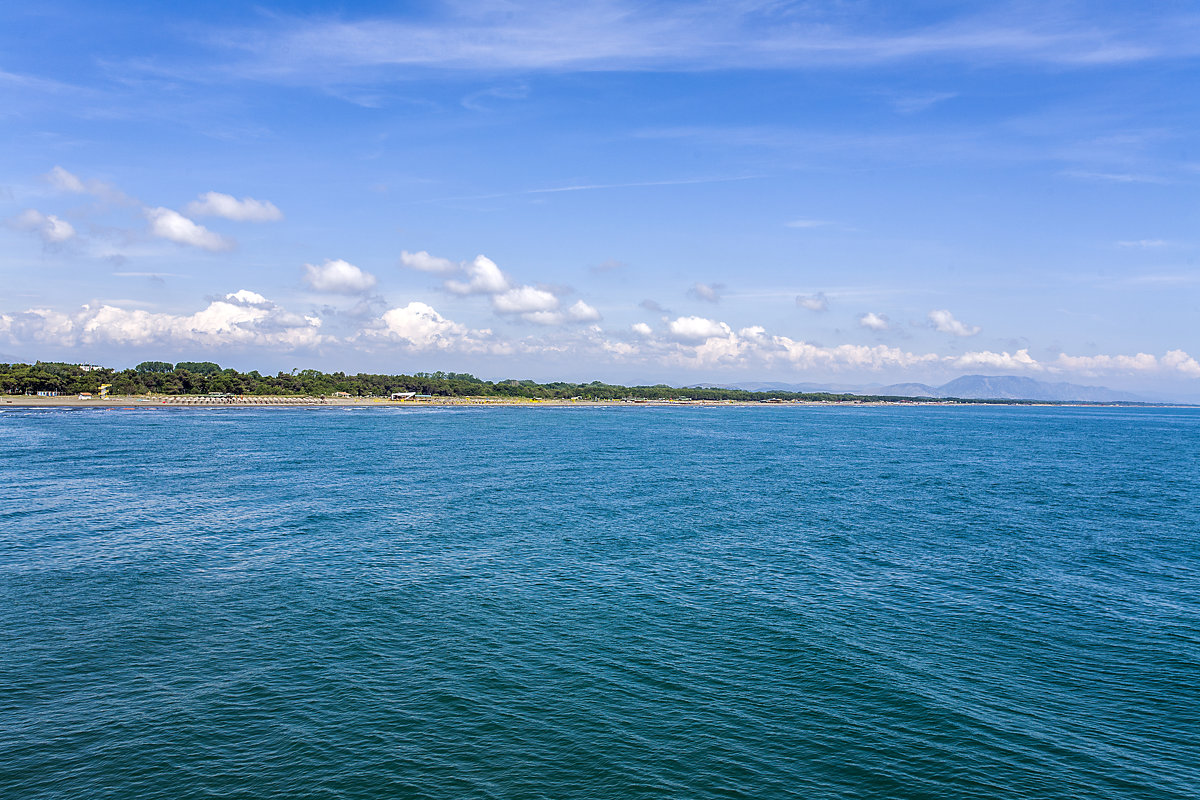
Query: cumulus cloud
524	300
420	327
1179	361
813	302
338	277
582	312
804	355
247	297
696	329
1020	360
52	229
876	322
173	226
483	277
421	260
697	341
242	318
943	321
544	317
706	292
538	304
1173	361
215	204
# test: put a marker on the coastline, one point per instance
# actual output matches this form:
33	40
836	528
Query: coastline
290	401
131	402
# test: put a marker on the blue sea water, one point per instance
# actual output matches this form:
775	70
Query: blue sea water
755	602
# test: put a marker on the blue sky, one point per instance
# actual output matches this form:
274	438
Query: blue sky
847	191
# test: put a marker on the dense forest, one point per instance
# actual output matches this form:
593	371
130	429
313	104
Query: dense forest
205	377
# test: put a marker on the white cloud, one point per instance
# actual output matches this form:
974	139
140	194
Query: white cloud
544	317
420	327
484	277
1090	365
241	318
642	329
706	292
696	329
338	277
52	229
582	312
623	35
173	226
804	355
1180	361
813	302
65	182
1020	360
247	297
806	224
1143	243
524	300
876	322
215	204
943	321
1177	361
421	260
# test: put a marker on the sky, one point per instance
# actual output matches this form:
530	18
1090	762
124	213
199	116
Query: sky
839	192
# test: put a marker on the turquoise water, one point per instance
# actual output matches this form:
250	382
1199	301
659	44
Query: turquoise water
600	603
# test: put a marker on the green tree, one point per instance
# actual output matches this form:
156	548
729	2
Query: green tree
198	367
154	367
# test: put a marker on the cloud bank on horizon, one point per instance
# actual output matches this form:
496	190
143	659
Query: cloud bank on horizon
792	191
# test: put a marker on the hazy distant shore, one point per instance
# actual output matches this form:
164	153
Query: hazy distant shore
290	401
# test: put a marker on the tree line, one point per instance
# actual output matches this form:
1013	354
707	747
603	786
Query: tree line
206	377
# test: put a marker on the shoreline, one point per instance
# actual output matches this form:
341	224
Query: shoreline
128	402
290	401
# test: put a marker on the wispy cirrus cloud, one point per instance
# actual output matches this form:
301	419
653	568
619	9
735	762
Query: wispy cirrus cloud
708	292
618	34
813	302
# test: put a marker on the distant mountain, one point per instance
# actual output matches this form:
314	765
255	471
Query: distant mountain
968	387
906	390
776	386
1011	387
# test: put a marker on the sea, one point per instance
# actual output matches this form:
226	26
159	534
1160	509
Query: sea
600	602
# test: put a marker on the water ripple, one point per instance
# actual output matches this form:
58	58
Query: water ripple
616	603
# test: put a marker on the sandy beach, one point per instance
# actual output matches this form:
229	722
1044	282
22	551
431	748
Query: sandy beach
279	401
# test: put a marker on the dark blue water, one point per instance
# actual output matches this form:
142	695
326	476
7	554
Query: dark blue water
600	603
